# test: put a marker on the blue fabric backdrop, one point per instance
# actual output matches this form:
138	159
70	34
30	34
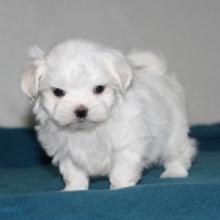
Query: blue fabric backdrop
30	188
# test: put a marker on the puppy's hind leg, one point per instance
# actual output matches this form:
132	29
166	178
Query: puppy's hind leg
178	158
174	169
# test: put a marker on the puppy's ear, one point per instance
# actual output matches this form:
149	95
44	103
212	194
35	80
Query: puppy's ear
118	68
34	72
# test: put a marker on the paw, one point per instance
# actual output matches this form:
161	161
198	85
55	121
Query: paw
121	185
74	188
175	172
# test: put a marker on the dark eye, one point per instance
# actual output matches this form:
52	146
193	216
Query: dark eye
99	89
58	92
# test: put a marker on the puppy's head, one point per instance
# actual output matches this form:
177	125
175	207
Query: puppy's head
77	83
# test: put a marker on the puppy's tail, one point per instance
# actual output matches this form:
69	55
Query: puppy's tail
148	61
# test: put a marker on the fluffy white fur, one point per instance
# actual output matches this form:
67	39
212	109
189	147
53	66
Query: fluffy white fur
139	120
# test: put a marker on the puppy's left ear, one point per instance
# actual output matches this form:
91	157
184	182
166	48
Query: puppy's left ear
34	72
118	68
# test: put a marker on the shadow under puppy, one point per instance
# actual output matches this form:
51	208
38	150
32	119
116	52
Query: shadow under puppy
101	113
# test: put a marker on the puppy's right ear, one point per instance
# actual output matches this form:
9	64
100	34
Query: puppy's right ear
34	72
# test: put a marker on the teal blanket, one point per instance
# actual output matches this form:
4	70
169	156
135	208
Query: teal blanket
30	188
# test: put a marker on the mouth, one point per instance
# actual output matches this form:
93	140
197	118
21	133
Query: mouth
80	124
81	120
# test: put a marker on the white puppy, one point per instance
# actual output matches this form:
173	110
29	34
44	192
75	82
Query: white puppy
101	113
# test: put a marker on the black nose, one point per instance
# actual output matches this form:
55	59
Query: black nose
81	112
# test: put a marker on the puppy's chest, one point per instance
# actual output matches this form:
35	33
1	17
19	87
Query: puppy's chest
91	152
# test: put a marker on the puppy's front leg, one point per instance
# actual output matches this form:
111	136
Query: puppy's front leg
126	170
74	177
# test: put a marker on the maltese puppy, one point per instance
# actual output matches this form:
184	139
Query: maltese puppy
101	113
